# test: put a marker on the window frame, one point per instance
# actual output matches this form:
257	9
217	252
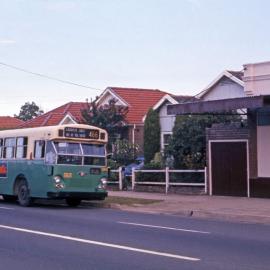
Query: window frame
5	148
1	147
43	150
24	146
163	144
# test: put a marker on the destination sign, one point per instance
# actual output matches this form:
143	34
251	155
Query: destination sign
81	133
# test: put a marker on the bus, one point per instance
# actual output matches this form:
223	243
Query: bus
53	162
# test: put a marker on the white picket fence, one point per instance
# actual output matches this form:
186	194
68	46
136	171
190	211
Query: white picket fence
166	183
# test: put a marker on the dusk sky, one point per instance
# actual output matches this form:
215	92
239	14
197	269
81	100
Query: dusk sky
178	46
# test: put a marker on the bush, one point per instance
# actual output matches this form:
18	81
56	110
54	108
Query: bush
151	177
188	143
191	177
151	135
124	152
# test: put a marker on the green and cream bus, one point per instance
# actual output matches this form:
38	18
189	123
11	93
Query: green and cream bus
58	162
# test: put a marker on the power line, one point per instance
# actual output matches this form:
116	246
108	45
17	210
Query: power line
48	77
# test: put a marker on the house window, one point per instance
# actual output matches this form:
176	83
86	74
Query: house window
166	137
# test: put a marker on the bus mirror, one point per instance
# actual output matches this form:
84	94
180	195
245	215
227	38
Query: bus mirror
50	170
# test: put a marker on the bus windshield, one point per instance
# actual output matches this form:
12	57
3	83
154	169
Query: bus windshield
76	153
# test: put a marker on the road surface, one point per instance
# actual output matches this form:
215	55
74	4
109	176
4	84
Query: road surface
54	236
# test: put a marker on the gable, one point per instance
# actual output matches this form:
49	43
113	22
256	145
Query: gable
225	88
230	76
67	120
108	95
138	101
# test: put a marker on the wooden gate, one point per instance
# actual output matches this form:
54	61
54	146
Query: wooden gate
228	168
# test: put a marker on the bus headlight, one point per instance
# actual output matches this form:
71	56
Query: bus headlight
103	183
57	179
58	183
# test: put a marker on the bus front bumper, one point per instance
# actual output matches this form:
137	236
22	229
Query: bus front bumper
78	195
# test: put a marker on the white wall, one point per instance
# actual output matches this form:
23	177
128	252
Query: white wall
166	122
225	88
263	148
257	79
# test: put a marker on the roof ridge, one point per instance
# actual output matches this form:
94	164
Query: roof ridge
67	106
46	119
135	88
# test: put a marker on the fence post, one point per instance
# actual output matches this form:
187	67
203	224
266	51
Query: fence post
167	179
133	178
205	180
120	178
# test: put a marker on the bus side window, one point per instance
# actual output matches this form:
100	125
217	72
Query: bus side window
39	151
1	147
9	147
50	156
21	148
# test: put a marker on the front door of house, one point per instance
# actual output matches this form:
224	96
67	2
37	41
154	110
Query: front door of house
229	168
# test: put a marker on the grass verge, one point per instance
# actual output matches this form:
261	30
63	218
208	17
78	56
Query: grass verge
129	201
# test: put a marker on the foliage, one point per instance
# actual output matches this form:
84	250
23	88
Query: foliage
153	176
124	152
151	135
110	117
188	142
29	111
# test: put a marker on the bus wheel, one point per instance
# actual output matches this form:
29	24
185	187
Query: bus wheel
9	198
73	202
23	194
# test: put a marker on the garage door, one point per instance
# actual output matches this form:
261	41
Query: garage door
229	168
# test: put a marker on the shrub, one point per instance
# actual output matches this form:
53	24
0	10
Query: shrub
153	176
151	135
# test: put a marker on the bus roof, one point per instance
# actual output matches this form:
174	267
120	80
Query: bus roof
52	132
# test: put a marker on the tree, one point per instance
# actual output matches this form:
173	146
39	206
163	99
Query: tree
125	152
29	111
188	142
151	135
110	117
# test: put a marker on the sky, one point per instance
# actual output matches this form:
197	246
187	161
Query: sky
178	46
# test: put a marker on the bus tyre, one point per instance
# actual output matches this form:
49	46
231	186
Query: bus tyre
9	198
73	202
23	194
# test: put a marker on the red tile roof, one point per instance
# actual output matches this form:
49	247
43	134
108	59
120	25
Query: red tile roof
139	100
55	116
8	122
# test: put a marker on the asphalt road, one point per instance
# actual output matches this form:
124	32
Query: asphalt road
58	237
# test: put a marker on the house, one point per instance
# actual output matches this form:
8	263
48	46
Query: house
69	113
228	84
8	122
138	101
167	121
238	156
